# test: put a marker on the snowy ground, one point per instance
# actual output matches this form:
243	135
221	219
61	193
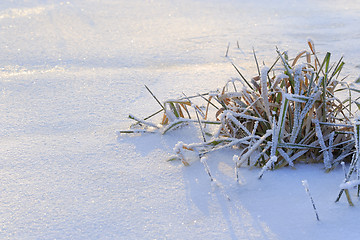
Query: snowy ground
72	71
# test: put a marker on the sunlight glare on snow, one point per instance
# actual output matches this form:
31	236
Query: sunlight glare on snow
22	12
11	71
72	71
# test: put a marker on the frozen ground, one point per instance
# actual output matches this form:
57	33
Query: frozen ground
71	71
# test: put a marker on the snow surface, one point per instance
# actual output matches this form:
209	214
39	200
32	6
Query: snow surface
72	71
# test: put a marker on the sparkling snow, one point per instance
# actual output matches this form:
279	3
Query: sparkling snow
72	71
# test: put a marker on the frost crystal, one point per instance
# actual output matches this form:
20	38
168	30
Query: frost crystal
349	184
327	160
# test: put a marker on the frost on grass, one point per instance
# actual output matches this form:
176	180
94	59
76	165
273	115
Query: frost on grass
288	113
350	184
307	189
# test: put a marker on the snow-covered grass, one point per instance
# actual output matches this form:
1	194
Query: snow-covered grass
289	112
72	71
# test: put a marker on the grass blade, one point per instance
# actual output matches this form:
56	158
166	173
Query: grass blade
155	98
242	77
256	61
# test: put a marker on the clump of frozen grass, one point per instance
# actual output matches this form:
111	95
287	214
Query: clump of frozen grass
287	113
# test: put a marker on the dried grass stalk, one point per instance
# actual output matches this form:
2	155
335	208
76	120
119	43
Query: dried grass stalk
287	113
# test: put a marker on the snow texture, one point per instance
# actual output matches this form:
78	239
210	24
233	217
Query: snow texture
72	72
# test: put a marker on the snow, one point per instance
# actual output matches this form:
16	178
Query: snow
350	184
71	73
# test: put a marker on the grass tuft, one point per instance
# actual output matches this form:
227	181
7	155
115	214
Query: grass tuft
289	116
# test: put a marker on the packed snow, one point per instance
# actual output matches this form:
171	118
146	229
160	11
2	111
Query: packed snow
71	73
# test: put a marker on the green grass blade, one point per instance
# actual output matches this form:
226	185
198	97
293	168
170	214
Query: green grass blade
256	61
209	102
154	114
337	69
173	109
357	80
155	98
242	77
311	83
172	125
287	69
272	66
